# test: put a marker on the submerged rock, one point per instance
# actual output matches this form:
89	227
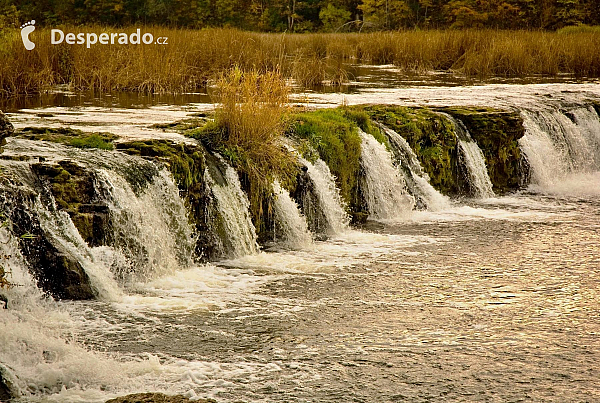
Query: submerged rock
6	128
155	398
7	390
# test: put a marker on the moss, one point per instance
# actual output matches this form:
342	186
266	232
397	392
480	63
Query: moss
71	137
335	137
182	125
431	137
496	133
74	191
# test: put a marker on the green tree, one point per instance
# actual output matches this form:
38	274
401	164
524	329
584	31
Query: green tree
332	17
387	14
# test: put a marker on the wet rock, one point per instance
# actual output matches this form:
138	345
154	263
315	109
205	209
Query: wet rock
7	390
155	398
6	129
75	191
306	197
55	269
497	132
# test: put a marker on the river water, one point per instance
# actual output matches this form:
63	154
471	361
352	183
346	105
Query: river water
494	299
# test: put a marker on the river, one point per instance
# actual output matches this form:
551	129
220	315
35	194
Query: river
478	299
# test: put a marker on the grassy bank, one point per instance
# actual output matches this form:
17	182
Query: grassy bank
194	57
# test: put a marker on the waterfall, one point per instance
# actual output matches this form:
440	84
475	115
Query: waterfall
417	180
383	187
144	228
291	229
232	218
151	234
38	355
478	177
560	144
330	203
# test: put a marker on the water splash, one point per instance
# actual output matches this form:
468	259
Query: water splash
237	233
560	145
415	177
331	204
472	157
383	188
291	229
151	233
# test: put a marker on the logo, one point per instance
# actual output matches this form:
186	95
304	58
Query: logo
26	29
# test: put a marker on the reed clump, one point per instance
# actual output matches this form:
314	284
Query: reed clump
193	59
248	128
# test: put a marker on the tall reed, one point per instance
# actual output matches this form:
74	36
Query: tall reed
248	128
192	58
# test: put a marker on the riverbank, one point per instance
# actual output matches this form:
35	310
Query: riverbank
193	58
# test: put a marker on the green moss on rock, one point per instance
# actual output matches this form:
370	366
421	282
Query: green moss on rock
71	137
74	191
496	133
335	137
182	125
430	135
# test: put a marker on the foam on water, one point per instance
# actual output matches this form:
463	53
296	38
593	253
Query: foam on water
330	200
291	229
384	189
339	253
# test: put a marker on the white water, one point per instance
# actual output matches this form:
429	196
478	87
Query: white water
417	180
41	340
474	161
152	236
330	200
559	150
291	229
384	189
233	207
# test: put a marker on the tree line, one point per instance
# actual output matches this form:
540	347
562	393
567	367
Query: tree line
308	15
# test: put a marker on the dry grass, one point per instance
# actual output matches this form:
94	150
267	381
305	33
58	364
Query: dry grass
248	129
194	57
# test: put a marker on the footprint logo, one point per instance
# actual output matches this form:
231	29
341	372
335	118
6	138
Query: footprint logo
26	29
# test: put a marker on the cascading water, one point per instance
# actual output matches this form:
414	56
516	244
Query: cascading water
291	229
235	228
330	203
560	144
151	234
148	234
383	188
474	161
417	181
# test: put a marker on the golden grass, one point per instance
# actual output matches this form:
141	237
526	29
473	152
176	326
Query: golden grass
194	57
248	127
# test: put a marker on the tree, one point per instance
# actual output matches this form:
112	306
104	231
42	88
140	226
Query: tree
387	14
464	14
332	17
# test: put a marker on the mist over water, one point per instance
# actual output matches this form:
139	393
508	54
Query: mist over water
483	298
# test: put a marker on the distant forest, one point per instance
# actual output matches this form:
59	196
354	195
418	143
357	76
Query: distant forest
308	15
